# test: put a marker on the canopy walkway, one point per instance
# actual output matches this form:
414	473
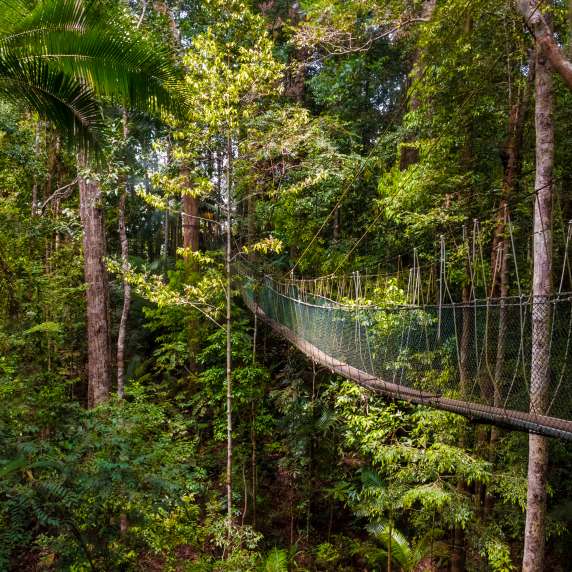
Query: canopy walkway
473	359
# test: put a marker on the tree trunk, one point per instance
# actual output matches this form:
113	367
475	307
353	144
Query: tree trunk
126	298
166	238
389	543
191	236
126	286
535	20
409	152
464	346
35	185
190	224
99	363
251	219
228	335
533	559
512	161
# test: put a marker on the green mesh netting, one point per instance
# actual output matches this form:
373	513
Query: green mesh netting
474	359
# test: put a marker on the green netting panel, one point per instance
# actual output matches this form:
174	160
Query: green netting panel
474	359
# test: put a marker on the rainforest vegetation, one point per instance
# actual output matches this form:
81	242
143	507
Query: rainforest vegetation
149	151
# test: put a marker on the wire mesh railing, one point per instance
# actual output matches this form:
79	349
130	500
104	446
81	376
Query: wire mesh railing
487	359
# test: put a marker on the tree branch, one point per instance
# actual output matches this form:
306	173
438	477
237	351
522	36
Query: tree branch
536	22
58	194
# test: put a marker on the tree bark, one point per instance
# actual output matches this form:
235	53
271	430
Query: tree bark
534	538
126	298
35	185
228	335
190	224
122	334
409	152
191	237
544	38
99	362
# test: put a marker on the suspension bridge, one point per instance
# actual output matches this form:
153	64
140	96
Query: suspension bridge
471	358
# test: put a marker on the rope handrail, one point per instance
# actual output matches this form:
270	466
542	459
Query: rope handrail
438	355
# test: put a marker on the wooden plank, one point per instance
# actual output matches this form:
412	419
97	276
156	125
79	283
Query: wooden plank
523	421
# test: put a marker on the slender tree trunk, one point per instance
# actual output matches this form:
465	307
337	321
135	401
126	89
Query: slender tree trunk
190	224
166	238
35	185
253	464
126	298
99	363
229	333
458	552
389	543
191	236
464	345
534	537
126	286
409	152
512	159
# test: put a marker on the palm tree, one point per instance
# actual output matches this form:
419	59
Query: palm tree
379	502
57	58
406	555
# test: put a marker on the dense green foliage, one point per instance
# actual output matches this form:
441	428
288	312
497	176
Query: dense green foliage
349	133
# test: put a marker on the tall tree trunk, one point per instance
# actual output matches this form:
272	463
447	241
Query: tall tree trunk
35	185
190	224
166	238
99	363
228	335
500	249
533	559
126	286
126	298
545	40
191	236
409	152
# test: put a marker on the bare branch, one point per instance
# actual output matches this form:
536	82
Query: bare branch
61	193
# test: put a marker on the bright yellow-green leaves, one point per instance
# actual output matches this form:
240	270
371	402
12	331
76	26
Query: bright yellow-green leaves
230	68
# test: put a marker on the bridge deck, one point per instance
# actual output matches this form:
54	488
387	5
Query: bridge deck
519	420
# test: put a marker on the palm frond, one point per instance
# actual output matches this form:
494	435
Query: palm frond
372	479
70	46
401	551
12	13
63	99
276	561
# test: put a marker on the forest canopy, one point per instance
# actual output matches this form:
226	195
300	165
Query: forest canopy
285	285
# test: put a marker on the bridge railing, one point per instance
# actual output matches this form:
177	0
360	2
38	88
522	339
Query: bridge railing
471	358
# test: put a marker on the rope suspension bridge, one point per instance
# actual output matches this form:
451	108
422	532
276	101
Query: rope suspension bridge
410	343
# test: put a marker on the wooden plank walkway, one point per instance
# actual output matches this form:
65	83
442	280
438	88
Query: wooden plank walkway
522	421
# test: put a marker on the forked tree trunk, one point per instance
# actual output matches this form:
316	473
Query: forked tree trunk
531	11
533	559
99	363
